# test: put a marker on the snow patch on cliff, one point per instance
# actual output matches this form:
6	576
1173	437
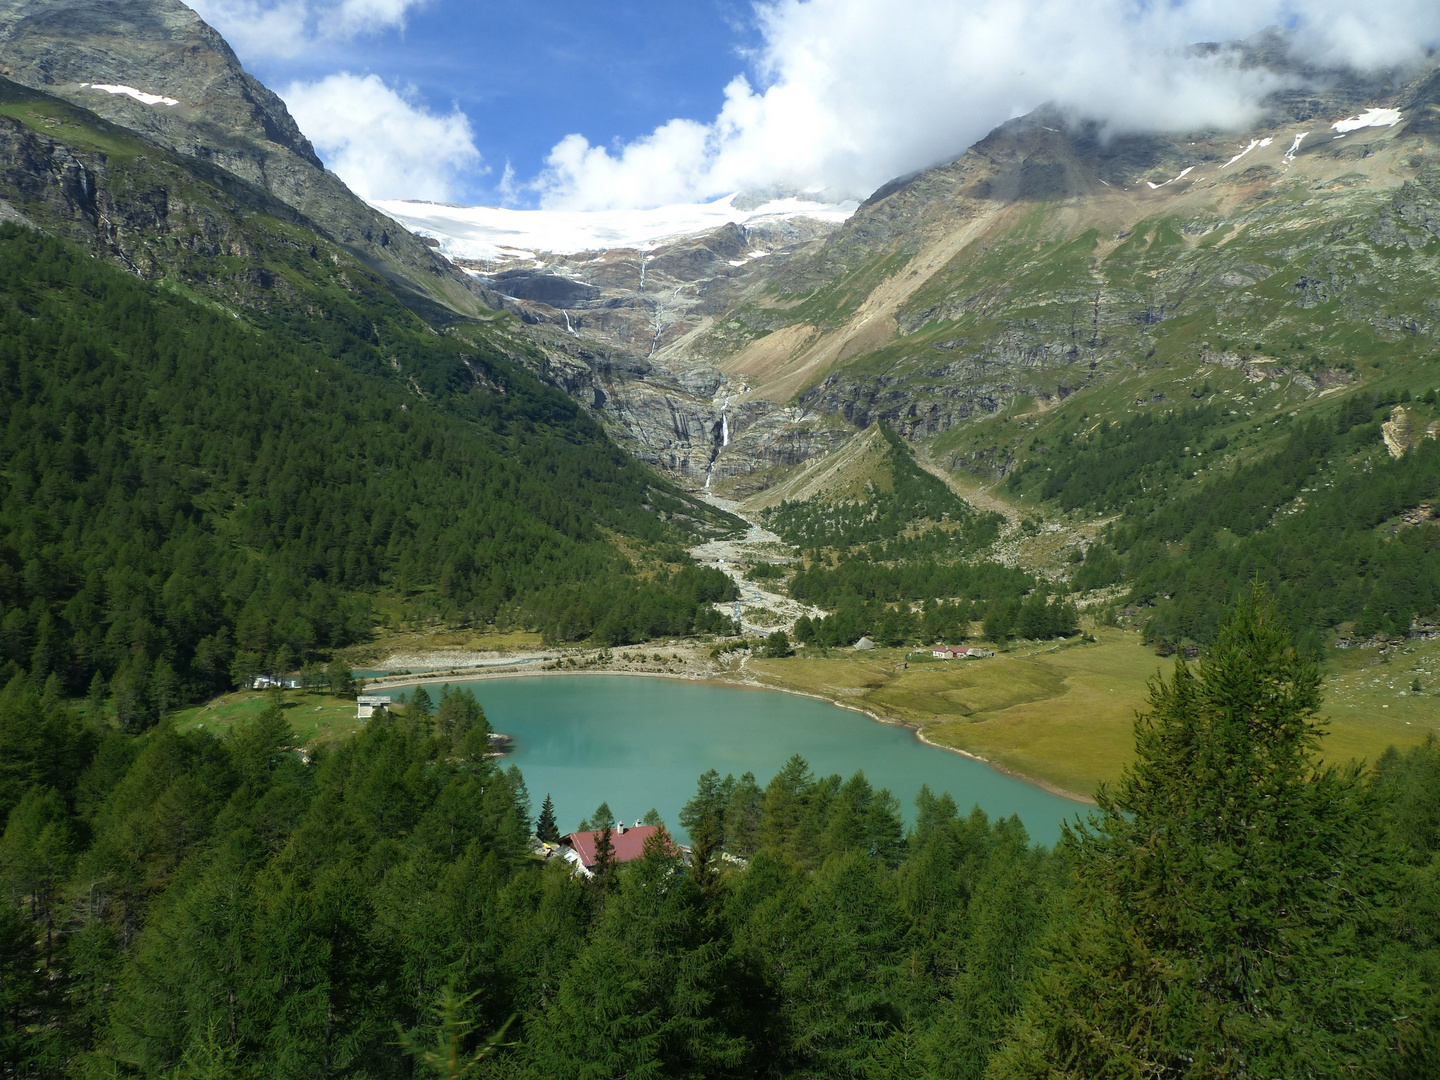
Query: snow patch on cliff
1183	173
131	92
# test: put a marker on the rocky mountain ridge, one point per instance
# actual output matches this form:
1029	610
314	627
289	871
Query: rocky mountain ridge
1048	260
156	68
608	322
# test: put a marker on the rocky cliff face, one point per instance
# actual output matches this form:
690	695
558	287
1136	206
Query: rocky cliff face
615	327
220	115
160	215
650	301
1049	261
681	417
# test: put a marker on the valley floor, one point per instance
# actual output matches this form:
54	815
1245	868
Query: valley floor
1058	715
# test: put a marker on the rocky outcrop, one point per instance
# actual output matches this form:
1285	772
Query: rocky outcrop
223	117
650	302
155	214
680	417
1402	434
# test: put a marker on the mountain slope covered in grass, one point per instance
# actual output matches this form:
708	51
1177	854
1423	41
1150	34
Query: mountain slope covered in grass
1181	357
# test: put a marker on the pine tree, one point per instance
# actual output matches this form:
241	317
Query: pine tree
1034	621
999	622
1230	898
451	1057
95	698
743	815
785	802
777	646
339	678
703	818
546	828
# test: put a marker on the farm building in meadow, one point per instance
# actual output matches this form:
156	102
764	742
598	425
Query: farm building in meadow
366	705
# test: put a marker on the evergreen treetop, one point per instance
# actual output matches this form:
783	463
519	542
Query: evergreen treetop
1231	895
546	828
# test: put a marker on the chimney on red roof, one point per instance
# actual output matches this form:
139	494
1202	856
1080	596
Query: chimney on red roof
628	843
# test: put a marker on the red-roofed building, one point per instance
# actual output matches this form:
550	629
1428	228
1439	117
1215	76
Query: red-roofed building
627	840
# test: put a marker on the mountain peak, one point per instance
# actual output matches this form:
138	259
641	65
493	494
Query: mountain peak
92	51
156	67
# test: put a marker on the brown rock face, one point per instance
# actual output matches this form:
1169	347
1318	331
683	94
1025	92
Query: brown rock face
225	117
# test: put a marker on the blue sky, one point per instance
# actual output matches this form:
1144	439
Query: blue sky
641	103
528	73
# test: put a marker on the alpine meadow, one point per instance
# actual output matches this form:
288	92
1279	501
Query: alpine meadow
1096	454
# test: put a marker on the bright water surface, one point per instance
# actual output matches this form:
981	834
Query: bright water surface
637	743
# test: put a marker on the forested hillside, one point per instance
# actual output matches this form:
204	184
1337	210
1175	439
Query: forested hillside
906	539
1204	501
182	905
189	498
1216	352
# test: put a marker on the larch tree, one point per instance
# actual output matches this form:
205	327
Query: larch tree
604	869
1230	898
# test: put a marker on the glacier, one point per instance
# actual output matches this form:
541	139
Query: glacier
499	234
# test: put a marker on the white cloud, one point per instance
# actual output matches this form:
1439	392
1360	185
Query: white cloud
384	143
288	28
854	92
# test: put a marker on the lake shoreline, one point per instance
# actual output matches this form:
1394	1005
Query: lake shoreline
484	674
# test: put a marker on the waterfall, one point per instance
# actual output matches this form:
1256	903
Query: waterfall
724	430
708	474
567	322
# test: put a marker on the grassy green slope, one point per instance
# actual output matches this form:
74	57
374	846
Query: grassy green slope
1299	311
1150	362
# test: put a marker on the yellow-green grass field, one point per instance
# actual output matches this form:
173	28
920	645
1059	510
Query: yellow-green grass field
1062	714
1057	713
1371	702
315	718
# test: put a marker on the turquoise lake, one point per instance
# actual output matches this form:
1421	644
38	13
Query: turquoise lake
636	743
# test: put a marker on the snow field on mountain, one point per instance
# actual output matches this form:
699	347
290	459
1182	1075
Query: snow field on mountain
496	233
1368	118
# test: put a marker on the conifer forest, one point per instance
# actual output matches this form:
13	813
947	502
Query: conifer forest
185	905
980	488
